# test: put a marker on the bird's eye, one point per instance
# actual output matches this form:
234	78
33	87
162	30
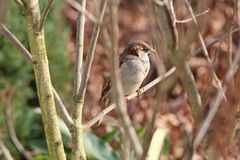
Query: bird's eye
145	49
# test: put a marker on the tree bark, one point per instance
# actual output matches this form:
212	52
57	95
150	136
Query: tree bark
43	80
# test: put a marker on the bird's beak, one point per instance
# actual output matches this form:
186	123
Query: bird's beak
152	51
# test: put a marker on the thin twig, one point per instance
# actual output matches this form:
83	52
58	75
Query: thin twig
159	2
78	151
212	42
153	83
117	87
9	124
20	4
91	122
110	108
9	36
215	78
161	78
175	20
216	102
5	151
161	91
190	19
84	11
44	15
173	12
90	53
79	48
230	29
61	109
164	21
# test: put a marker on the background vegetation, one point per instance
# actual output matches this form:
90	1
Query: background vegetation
105	141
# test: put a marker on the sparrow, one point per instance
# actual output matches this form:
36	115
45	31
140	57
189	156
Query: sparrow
134	65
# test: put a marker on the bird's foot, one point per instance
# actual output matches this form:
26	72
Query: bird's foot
100	121
139	93
125	99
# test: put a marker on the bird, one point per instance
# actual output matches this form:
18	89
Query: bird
134	66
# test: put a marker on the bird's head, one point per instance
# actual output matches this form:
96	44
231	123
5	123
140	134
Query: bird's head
138	48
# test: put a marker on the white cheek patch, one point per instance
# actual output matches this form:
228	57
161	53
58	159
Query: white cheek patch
142	55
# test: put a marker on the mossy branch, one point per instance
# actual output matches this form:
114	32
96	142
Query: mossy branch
43	80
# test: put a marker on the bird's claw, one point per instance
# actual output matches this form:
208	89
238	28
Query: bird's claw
100	121
139	93
125	99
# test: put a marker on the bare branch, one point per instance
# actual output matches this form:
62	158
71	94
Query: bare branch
78	100
164	20
216	102
61	109
79	50
9	123
190	19
5	151
44	15
230	29
142	90
157	80
20	4
90	53
212	42
153	83
215	78
9	36
117	87
83	10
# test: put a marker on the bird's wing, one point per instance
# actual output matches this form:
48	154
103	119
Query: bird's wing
107	82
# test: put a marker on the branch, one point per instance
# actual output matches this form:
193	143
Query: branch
161	91
79	50
108	109
99	116
20	5
42	76
190	19
216	103
5	151
212	42
83	10
90	53
206	54
45	13
9	123
61	109
117	87
78	100
22	50
176	54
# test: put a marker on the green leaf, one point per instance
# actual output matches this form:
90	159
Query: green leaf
140	131
98	149
110	135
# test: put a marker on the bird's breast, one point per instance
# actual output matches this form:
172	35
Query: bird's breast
133	72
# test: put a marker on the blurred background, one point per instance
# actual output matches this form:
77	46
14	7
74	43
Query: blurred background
18	89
